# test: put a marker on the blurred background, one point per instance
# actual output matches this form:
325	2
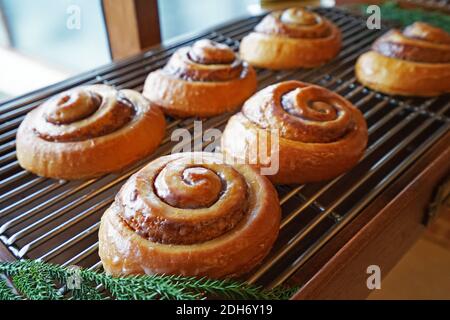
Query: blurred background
37	48
46	41
41	43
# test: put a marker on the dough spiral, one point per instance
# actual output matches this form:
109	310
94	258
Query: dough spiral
88	131
412	62
291	38
179	215
321	135
203	80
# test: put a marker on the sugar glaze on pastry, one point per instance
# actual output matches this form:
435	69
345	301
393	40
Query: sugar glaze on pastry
203	80
88	131
321	134
292	38
412	62
190	214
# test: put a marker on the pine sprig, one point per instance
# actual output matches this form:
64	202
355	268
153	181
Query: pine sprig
36	280
42	285
86	292
6	293
230	289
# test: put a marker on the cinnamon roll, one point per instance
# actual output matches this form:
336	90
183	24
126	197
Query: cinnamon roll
415	62
190	214
291	38
88	131
204	80
321	134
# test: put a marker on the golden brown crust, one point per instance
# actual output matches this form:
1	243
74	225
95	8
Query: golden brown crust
203	99
291	39
413	63
318	141
204	80
402	77
233	251
87	132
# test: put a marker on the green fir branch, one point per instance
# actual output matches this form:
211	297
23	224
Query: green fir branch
86	291
36	280
6	292
230	289
36	286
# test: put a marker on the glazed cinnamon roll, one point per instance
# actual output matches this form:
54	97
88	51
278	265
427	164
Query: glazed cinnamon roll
190	214
88	131
321	134
415	62
291	39
204	80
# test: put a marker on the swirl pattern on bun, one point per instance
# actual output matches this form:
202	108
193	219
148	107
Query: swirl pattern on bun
190	214
81	133
291	39
412	62
203	80
321	134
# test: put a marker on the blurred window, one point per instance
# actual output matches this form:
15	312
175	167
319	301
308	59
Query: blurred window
45	41
180	16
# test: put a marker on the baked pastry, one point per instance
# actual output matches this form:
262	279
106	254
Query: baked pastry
88	131
204	80
320	134
190	214
291	38
415	62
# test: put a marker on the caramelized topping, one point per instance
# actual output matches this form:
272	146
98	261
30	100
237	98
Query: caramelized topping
72	106
295	23
206	60
424	31
210	52
419	42
196	187
301	112
82	114
298	16
181	202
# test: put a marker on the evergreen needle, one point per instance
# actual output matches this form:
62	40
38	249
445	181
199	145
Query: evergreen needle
6	292
38	280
